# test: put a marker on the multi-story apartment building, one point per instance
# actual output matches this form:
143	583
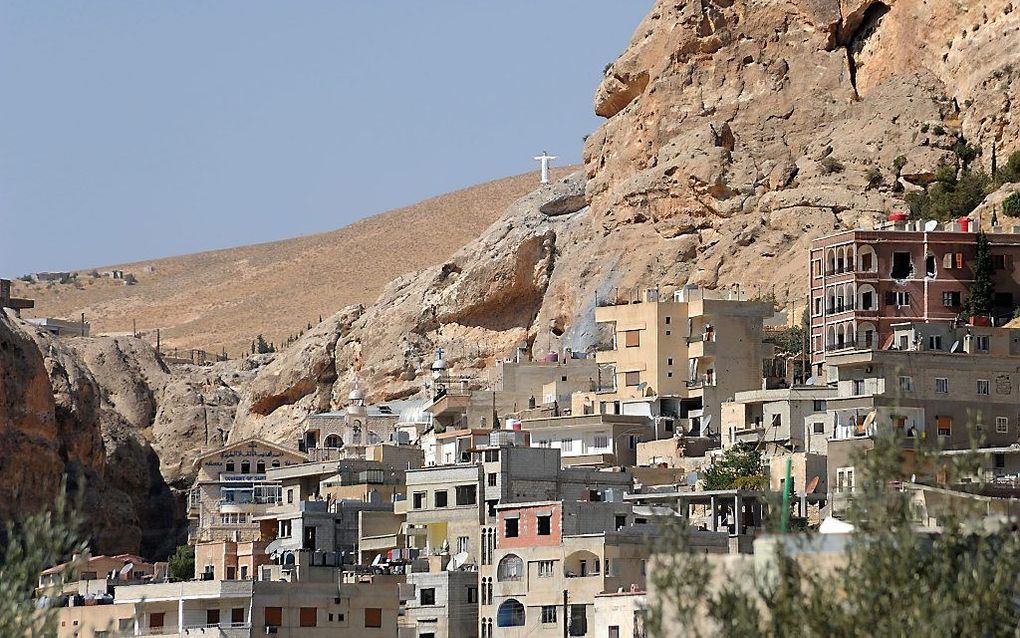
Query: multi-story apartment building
676	359
935	383
551	560
231	488
301	600
865	281
451	513
596	440
791	418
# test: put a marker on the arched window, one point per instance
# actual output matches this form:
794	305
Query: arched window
276	462
230	466
581	564
333	440
245	467
867	297
260	467
510	614
511	567
867	260
866	335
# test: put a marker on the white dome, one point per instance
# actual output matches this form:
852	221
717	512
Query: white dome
356	395
439	364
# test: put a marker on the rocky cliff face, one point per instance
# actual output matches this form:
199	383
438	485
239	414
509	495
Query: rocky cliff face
85	410
735	133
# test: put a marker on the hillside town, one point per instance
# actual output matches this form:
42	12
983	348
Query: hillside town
524	499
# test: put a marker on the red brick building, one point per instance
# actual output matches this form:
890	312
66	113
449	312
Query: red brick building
864	281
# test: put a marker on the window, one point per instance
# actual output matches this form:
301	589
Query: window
307	617
510	614
472	594
462	543
567	445
944	425
548	614
620	521
668	320
290	496
669	361
844	480
982	387
614	631
491	456
631	379
544	525
491	479
1001	425
632	338
510	567
545	568
418	500
934	342
601	441
1002	262
819	405
237	616
230	466
157	619
212	617
373	617
906	384
273	616
818	427
1000	461
982	343
951	299
467	494
510	527
245	467
941	386
427	596
441	498
901	268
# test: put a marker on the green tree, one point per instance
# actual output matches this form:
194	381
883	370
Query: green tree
1011	205
982	291
739	467
261	346
787	341
182	563
35	543
895	581
950	196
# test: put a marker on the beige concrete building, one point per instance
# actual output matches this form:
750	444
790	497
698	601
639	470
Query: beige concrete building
546	548
231	488
793	418
596	440
675	360
934	383
621	614
347	433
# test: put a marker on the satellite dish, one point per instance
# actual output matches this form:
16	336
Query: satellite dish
273	547
377	560
457	561
706	426
126	569
930	225
812	380
812	486
956	347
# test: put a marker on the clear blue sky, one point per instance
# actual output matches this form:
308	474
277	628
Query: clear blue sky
131	130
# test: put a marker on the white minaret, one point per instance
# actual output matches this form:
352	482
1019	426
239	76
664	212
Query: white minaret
545	158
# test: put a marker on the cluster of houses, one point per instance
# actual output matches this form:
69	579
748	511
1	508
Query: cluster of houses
522	502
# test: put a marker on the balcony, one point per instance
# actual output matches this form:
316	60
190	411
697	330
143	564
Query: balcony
703	381
835	309
702	347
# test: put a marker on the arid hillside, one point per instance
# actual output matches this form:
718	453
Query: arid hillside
224	298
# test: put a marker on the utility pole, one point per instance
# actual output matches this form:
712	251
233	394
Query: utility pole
83	324
134	328
157	340
566	615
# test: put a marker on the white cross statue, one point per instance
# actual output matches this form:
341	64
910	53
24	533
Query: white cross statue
545	158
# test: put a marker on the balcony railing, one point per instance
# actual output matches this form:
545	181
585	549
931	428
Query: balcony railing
701	382
840	307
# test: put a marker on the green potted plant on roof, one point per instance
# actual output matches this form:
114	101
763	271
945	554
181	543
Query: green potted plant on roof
982	292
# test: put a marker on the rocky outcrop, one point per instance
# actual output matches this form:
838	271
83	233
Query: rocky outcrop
736	132
76	410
